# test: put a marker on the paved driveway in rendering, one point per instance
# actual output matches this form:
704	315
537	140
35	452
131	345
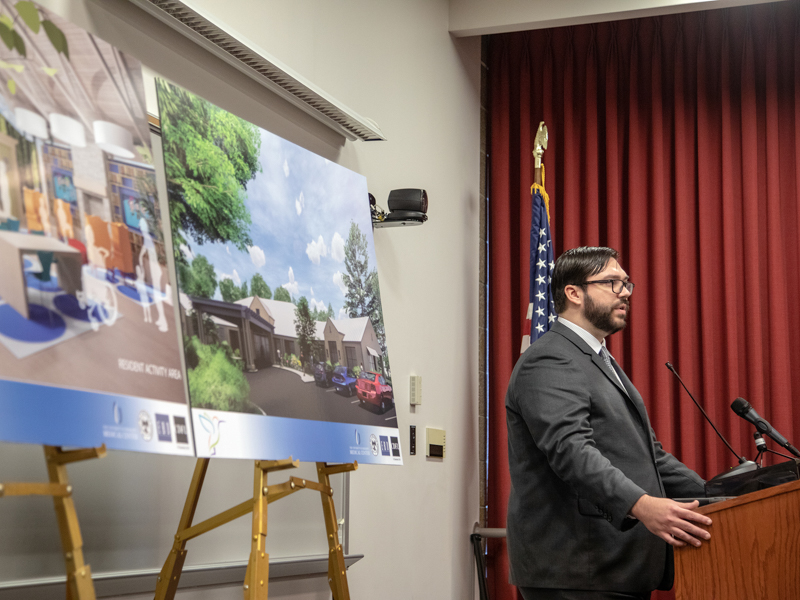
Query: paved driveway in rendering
281	393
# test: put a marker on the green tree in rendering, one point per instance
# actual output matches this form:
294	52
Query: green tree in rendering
199	279
360	297
210	155
259	287
322	315
230	291
283	294
305	327
363	297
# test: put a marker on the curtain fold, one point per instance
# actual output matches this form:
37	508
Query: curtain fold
675	140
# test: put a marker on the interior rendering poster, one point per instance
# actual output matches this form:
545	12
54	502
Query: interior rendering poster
89	347
279	298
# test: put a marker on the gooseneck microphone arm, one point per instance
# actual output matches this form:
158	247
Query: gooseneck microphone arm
742	408
674	372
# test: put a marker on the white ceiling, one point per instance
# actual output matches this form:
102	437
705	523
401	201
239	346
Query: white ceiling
479	17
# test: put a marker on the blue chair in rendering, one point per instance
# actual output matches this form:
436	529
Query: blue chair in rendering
9	225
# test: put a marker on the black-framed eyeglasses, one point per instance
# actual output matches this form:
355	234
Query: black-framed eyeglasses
617	285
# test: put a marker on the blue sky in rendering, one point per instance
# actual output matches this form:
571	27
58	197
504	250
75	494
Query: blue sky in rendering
301	206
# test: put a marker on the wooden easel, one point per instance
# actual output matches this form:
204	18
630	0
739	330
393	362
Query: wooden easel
79	574
256	580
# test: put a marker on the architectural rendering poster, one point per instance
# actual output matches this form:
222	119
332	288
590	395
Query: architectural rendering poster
89	352
279	298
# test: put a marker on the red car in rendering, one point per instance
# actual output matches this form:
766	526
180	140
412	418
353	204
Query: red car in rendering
372	387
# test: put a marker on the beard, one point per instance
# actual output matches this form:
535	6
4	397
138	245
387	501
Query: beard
603	317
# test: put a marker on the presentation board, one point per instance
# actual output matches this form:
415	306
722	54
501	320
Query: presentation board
275	328
284	343
89	348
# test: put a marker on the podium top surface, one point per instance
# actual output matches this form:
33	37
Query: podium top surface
786	488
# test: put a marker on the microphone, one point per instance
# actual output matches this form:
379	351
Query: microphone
742	408
741	460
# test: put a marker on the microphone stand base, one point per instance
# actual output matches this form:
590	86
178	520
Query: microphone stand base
746	478
744	467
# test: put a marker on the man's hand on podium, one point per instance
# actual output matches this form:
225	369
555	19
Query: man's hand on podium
674	522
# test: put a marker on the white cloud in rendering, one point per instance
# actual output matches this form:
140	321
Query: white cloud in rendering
342	314
312	291
337	247
337	279
300	204
228	250
316	304
292	287
317	249
187	252
257	256
232	276
285	167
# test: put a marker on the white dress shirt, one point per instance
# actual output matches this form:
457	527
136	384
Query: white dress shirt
593	342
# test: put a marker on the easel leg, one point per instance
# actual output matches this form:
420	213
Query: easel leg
256	580
79	575
171	571
337	572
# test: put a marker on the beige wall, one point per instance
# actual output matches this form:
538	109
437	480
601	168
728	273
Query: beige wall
369	340
262	311
333	335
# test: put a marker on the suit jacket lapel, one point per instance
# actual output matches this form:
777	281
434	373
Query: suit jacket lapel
627	388
633	395
630	393
601	364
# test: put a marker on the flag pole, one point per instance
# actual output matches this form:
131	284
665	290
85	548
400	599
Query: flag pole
539	146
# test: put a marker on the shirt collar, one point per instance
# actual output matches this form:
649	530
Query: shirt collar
585	336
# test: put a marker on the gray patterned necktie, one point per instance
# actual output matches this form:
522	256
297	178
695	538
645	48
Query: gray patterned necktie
607	359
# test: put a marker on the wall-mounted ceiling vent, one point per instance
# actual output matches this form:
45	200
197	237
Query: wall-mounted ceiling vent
278	78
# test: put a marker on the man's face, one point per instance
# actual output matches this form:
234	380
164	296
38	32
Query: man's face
604	309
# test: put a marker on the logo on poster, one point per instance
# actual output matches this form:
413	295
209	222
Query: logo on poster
118	431
162	428
395	446
385	451
373	441
181	433
145	426
212	427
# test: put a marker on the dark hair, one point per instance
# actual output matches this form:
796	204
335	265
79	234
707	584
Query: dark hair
574	266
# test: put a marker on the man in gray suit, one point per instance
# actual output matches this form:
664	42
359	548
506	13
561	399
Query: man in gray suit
589	515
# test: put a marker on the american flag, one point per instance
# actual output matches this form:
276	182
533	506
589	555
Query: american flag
541	310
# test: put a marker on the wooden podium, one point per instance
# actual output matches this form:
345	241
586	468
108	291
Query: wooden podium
754	551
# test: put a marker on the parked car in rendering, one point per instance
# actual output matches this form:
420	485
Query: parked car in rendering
323	374
372	387
345	380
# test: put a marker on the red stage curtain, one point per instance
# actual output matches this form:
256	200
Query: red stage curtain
675	140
